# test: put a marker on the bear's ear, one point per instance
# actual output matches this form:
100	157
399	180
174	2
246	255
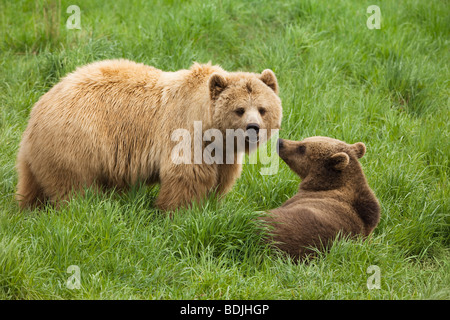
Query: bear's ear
360	149
269	78
339	160
217	83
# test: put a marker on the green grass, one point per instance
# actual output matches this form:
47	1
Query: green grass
388	88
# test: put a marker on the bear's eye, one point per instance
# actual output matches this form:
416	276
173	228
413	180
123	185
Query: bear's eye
262	111
301	149
240	111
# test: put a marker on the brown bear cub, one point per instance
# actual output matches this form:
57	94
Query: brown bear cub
114	123
333	198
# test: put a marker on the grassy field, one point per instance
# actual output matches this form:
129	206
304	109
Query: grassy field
388	88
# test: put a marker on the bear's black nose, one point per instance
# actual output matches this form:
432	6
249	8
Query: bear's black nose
280	143
253	126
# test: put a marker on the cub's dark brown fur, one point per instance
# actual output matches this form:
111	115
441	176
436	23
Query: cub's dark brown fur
334	196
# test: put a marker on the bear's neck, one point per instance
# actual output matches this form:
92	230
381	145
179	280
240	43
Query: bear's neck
329	180
350	187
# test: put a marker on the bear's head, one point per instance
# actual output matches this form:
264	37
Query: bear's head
245	105
323	163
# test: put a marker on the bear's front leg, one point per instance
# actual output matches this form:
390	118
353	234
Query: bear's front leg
227	175
183	184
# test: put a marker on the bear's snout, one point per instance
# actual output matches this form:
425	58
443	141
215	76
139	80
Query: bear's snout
279	144
253	126
252	132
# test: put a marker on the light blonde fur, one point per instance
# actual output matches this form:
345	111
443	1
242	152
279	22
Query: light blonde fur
109	124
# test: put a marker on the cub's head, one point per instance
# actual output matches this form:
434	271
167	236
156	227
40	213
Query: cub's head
246	104
324	160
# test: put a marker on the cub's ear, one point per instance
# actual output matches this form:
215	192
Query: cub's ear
360	149
269	78
217	83
339	160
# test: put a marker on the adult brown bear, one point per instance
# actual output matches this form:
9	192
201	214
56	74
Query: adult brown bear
109	124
